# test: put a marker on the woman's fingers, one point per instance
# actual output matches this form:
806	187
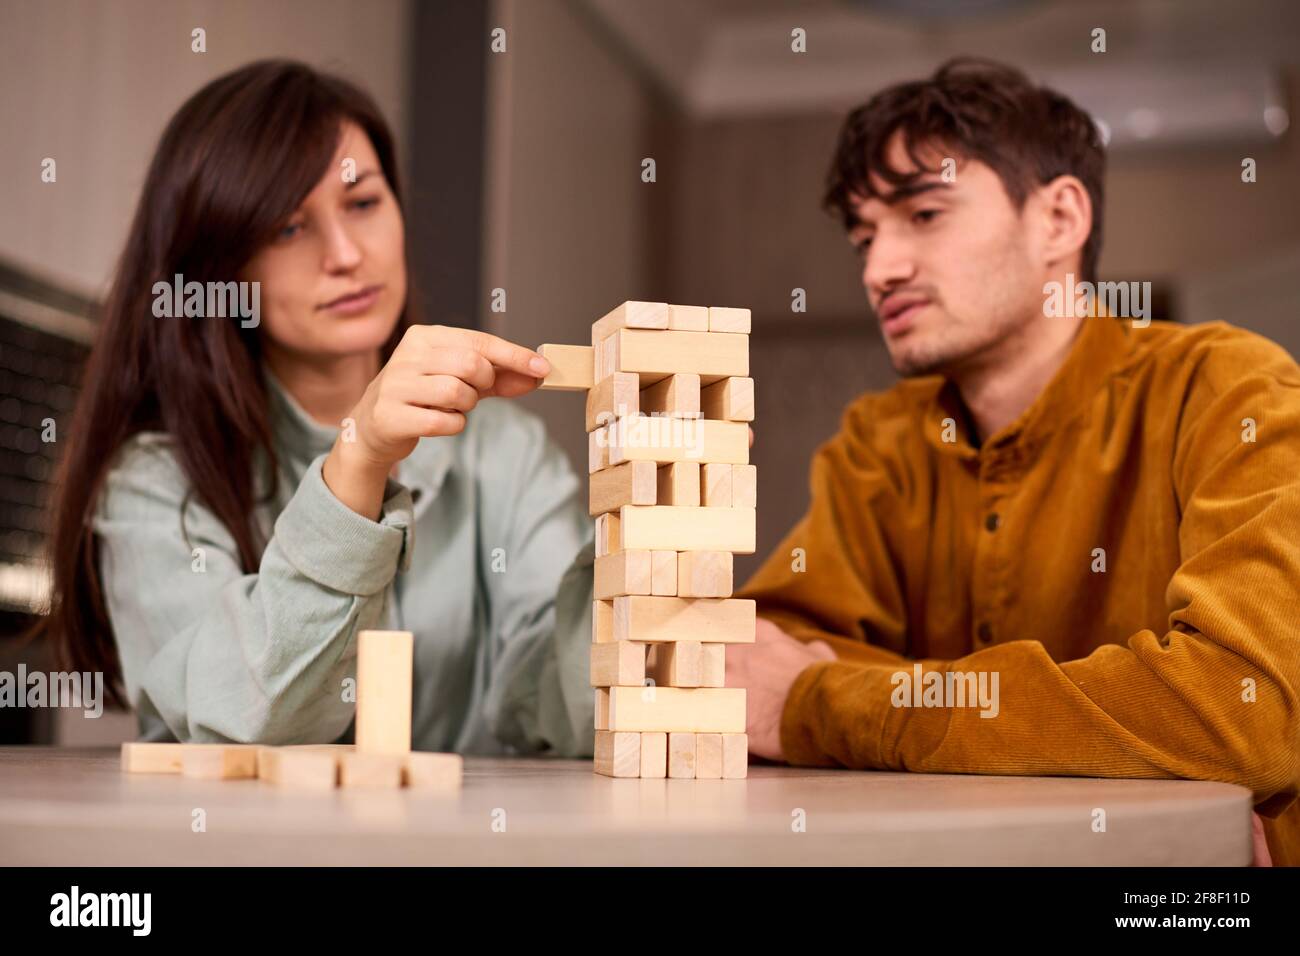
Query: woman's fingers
496	350
512	384
440	391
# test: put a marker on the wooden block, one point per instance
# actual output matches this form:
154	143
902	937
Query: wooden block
371	770
678	664
708	756
630	315
715	485
299	768
663	573
424	770
664	527
656	620
654	756
141	757
219	761
677	396
731	399
735	756
665	439
655	355
618	664
711	710
744	486
608	533
713	664
622	572
679	484
726	319
384	674
681	756
613	396
573	367
618	754
631	483
688	318
602	622
597	450
704	574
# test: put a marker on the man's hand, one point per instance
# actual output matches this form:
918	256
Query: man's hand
767	669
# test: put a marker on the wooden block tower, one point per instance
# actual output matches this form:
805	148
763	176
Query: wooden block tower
673	495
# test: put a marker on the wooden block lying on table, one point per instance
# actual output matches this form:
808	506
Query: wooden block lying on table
613	396
655	355
677	396
219	761
727	319
631	483
735	756
715	485
708	756
299	768
618	664
384	675
630	315
609	536
675	664
654	755
678	484
706	710
371	770
665	527
731	399
424	770
688	318
573	367
713	664
618	754
663	573
744	486
655	620
622	572
681	756
141	757
704	574
665	439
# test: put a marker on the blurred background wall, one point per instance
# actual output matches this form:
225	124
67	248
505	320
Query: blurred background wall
524	168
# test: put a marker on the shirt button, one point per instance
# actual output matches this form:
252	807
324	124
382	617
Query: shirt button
991	521
984	632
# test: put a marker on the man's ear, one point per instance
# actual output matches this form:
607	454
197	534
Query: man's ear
1066	211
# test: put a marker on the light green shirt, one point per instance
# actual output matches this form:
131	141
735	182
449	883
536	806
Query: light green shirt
470	554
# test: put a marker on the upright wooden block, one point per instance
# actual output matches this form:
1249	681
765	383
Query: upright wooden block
713	665
371	770
715	485
708	756
631	483
665	439
630	315
663	573
609	536
618	754
679	484
384	674
598	450
299	768
677	396
735	756
613	396
688	318
726	319
704	574
676	664
744	486
711	710
655	355
573	367
622	572
731	399
654	756
424	770
681	756
665	527
142	757
618	664
654	620
602	622
219	761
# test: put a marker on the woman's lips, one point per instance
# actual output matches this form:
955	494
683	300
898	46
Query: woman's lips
356	303
900	322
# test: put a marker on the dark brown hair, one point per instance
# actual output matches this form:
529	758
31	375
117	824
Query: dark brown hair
981	110
232	166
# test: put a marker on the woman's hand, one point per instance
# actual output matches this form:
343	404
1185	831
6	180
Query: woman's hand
435	376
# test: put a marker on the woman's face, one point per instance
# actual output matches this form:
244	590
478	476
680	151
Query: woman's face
333	283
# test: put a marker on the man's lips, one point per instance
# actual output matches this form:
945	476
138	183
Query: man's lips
897	307
353	300
897	317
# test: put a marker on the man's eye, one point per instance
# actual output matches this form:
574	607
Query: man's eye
862	245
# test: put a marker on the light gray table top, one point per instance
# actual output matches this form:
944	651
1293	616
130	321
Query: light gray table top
75	807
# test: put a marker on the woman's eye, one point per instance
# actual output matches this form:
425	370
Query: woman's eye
365	203
925	215
291	230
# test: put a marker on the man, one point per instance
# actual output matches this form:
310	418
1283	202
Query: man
1062	544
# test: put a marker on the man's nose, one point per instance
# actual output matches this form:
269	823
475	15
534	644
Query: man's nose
890	263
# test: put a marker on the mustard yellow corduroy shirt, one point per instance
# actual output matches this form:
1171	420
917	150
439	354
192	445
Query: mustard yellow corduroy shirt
1125	556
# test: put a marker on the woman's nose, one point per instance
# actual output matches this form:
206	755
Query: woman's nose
342	252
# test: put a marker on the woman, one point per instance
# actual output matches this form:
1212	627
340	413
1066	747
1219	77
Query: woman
245	493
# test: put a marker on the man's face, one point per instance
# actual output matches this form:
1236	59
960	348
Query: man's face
946	265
